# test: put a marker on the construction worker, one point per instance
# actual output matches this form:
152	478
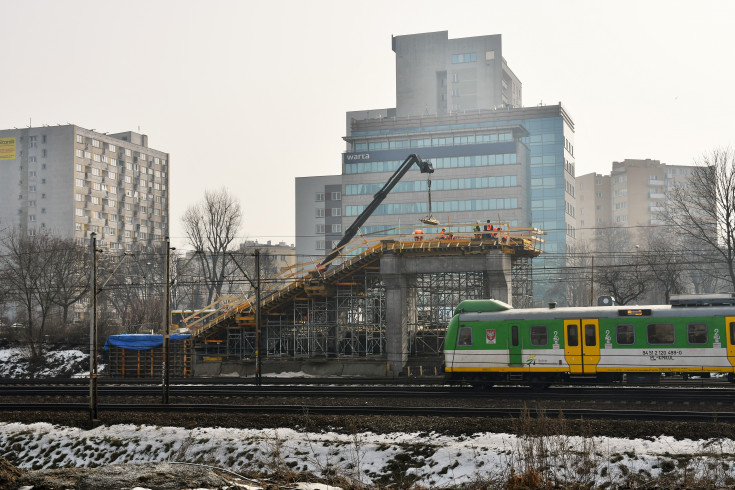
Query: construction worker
443	234
418	235
476	229
487	228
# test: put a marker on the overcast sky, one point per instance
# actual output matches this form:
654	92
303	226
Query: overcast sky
249	95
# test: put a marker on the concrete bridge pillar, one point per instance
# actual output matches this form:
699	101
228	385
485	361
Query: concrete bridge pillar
398	274
400	294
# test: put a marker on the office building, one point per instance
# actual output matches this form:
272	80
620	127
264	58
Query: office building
459	105
72	181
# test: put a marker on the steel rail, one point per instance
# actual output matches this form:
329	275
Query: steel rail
568	414
622	394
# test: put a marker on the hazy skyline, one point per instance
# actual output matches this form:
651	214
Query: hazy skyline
251	95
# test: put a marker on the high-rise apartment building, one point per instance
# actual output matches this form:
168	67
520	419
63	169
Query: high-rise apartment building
631	196
318	216
72	181
459	105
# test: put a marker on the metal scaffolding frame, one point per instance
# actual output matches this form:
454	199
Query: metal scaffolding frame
351	322
436	296
521	272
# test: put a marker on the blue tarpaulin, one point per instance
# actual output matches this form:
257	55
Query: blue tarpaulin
139	341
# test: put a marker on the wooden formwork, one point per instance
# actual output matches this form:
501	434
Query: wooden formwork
146	361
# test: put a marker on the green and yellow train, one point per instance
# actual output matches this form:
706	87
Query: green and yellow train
489	342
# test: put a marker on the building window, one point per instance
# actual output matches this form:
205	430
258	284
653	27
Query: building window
319	212
464	58
79	212
337	228
320	228
320	244
80	138
336	196
111	147
319	196
96	143
336	212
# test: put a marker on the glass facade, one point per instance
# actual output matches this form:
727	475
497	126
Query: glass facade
534	184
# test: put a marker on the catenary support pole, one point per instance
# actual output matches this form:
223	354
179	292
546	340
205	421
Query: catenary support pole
93	412
166	371
258	332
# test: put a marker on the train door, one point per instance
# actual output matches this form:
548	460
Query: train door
515	348
730	333
591	347
572	346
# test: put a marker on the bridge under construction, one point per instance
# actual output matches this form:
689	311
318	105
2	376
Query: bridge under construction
385	299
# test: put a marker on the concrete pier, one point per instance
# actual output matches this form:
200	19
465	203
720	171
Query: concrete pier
399	273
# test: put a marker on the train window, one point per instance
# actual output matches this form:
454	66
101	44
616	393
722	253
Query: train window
572	335
465	336
625	334
697	333
732	333
539	335
590	339
514	335
660	333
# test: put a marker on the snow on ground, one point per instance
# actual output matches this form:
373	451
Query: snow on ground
433	460
14	363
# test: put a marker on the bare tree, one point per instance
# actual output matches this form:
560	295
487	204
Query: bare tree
28	274
133	288
70	274
211	227
579	275
622	273
703	209
665	259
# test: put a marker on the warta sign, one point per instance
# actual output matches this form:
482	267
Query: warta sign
357	157
7	148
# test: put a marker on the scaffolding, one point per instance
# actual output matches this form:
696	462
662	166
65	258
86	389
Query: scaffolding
343	314
351	324
436	295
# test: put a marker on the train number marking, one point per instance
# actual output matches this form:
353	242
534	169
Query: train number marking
662	355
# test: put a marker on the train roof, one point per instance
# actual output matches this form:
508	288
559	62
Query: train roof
495	310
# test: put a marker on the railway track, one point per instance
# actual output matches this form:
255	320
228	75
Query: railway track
502	413
719	395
